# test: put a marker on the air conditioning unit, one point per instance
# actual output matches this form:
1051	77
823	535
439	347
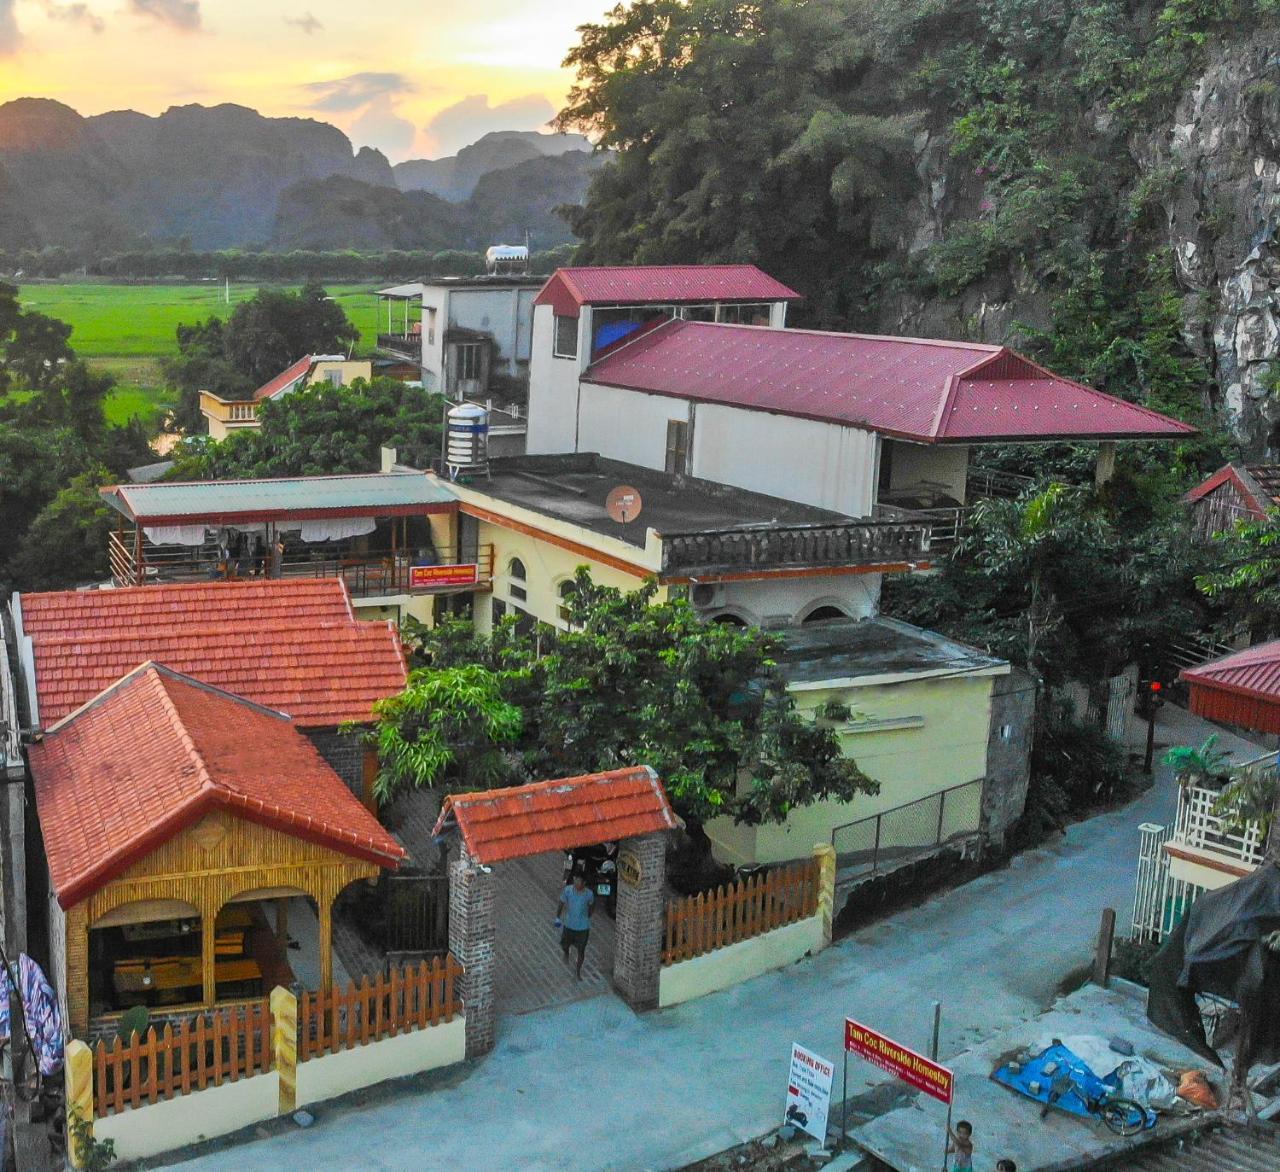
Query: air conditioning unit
706	594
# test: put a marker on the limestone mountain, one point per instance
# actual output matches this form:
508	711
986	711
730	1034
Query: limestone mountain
455	177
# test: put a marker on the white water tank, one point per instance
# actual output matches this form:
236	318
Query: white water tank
466	441
507	258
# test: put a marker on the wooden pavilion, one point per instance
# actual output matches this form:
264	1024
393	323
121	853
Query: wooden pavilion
175	817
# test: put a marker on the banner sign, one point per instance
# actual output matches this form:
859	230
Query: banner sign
809	1092
914	1069
443	575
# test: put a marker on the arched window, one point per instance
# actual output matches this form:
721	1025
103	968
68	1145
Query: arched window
819	613
567	589
516	572
730	620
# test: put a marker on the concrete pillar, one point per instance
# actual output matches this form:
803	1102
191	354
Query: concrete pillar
284	1046
472	934
1105	467
78	1075
637	952
825	854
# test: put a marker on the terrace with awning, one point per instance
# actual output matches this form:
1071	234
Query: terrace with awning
384	534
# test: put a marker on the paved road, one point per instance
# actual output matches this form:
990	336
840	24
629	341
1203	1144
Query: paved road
593	1086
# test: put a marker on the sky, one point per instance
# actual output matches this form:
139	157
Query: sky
415	78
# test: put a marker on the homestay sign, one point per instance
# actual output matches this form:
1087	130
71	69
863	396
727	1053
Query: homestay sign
460	575
914	1069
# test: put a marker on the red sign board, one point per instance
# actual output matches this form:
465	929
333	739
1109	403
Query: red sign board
914	1069
443	576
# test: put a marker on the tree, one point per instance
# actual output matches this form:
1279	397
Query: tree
632	681
324	429
1245	581
262	337
66	542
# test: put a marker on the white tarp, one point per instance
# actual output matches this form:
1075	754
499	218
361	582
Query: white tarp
337	528
175	534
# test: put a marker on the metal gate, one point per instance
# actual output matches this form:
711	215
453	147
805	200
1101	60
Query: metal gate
417	913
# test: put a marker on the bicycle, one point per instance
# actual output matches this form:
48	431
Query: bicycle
1122	1116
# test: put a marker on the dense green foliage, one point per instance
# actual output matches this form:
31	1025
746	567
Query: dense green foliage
1245	577
630	683
262	337
53	437
324	430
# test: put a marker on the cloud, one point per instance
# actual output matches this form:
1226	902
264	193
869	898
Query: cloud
380	126
10	37
462	123
75	14
183	15
306	22
344	94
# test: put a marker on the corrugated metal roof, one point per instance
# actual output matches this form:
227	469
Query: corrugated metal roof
1255	671
375	494
569	288
559	815
157	751
1230	1149
919	389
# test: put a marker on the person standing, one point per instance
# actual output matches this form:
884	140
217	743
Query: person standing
574	914
960	1141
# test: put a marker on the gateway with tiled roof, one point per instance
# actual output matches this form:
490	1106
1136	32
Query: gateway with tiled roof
1241	689
157	751
293	645
524	820
927	391
568	289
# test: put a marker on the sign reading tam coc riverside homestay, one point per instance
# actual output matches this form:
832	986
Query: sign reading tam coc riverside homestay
463	575
914	1069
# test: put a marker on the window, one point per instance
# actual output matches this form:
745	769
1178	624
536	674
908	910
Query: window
566	340
745	314
470	360
567	590
431	325
334	377
516	572
677	446
822	613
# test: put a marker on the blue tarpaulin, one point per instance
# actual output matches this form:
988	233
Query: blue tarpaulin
1059	1076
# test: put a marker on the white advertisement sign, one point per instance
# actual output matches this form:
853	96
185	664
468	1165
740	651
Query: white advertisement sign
809	1092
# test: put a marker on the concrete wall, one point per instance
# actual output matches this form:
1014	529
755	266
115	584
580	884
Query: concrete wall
627	425
504	314
58	952
331	1075
934	464
433	298
789	600
726	967
159	1127
1013	703
553	386
350	371
915	738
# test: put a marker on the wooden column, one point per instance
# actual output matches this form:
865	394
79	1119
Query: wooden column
208	955
325	905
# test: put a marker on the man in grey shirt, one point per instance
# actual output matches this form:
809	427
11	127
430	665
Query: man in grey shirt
574	913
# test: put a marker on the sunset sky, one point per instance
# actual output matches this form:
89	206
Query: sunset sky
416	78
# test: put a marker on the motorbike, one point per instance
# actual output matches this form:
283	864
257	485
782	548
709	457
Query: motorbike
598	866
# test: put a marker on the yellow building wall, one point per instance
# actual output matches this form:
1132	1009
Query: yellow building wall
546	565
351	370
949	748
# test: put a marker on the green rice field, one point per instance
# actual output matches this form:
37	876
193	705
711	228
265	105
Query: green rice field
128	328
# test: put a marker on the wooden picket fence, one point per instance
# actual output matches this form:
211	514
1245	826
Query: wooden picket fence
215	1048
408	999
713	919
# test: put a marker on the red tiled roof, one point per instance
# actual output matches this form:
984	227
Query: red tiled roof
559	815
292	645
569	288
917	389
285	379
157	751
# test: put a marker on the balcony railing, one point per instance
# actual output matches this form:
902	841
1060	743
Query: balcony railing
764	547
368	573
1198	828
944	525
405	345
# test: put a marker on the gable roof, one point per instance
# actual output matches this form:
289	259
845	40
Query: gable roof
568	289
294	645
286	379
1242	688
158	750
292	498
1257	484
558	815
910	388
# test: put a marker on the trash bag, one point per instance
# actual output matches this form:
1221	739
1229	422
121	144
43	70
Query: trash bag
1144	1083
1195	1088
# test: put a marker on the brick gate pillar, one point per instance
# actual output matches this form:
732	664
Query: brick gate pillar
472	930
637	953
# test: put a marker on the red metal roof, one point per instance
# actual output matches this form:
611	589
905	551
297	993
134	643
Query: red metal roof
155	752
1254	671
292	645
570	288
559	815
285	379
912	388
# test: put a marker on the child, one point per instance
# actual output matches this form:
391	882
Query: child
960	1141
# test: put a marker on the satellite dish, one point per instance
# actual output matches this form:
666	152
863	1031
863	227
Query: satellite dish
623	504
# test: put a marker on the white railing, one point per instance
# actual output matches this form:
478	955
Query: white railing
1199	828
1160	900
